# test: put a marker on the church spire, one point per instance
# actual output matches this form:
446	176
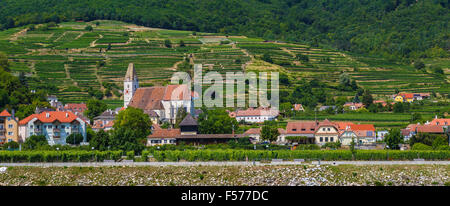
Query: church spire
131	73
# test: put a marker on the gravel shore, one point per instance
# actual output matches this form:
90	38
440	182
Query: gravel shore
284	175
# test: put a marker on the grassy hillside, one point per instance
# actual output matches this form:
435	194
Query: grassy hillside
391	28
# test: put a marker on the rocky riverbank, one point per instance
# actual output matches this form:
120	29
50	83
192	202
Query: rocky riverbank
285	175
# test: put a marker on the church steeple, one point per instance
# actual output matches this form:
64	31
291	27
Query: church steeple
131	73
130	85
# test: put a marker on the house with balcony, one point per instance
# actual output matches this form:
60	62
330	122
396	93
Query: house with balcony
9	127
56	126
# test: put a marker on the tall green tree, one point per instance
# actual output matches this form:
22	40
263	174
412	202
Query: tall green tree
101	141
216	121
95	108
133	119
269	131
367	98
393	138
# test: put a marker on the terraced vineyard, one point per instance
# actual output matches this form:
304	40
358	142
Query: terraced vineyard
75	59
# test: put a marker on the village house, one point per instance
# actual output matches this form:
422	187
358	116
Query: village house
187	133
440	122
255	115
381	134
75	108
300	129
105	121
353	105
362	134
56	126
254	134
9	127
410	97
413	129
323	108
53	100
161	103
326	132
298	107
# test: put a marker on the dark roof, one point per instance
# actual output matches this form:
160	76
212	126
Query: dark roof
188	121
211	136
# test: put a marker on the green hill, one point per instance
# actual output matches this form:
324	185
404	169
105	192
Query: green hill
389	28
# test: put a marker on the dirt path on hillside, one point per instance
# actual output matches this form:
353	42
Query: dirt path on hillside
252	58
175	66
288	51
93	44
15	36
80	35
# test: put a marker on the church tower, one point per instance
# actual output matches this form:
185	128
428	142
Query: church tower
130	84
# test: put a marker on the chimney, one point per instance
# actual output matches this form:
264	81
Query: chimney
47	114
13	114
67	114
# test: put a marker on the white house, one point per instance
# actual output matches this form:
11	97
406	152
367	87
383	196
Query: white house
257	115
54	125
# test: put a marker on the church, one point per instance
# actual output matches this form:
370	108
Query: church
161	103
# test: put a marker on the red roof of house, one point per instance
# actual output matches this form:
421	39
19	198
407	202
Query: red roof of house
440	122
366	127
301	127
253	131
407	95
63	117
80	107
343	125
5	113
412	127
430	129
326	123
257	112
298	107
165	133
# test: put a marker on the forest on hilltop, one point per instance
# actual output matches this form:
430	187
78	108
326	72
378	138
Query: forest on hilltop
390	28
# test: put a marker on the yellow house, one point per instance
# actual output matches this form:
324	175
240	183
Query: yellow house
9	127
398	98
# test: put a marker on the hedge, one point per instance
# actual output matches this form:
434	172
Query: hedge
58	156
330	155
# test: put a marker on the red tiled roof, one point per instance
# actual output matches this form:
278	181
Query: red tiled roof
357	105
147	98
253	131
63	117
177	92
5	113
343	125
366	127
302	127
407	95
440	122
165	133
430	129
257	112
326	123
298	107
80	107
412	127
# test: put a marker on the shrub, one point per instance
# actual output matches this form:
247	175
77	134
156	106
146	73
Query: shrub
328	155
58	156
130	155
